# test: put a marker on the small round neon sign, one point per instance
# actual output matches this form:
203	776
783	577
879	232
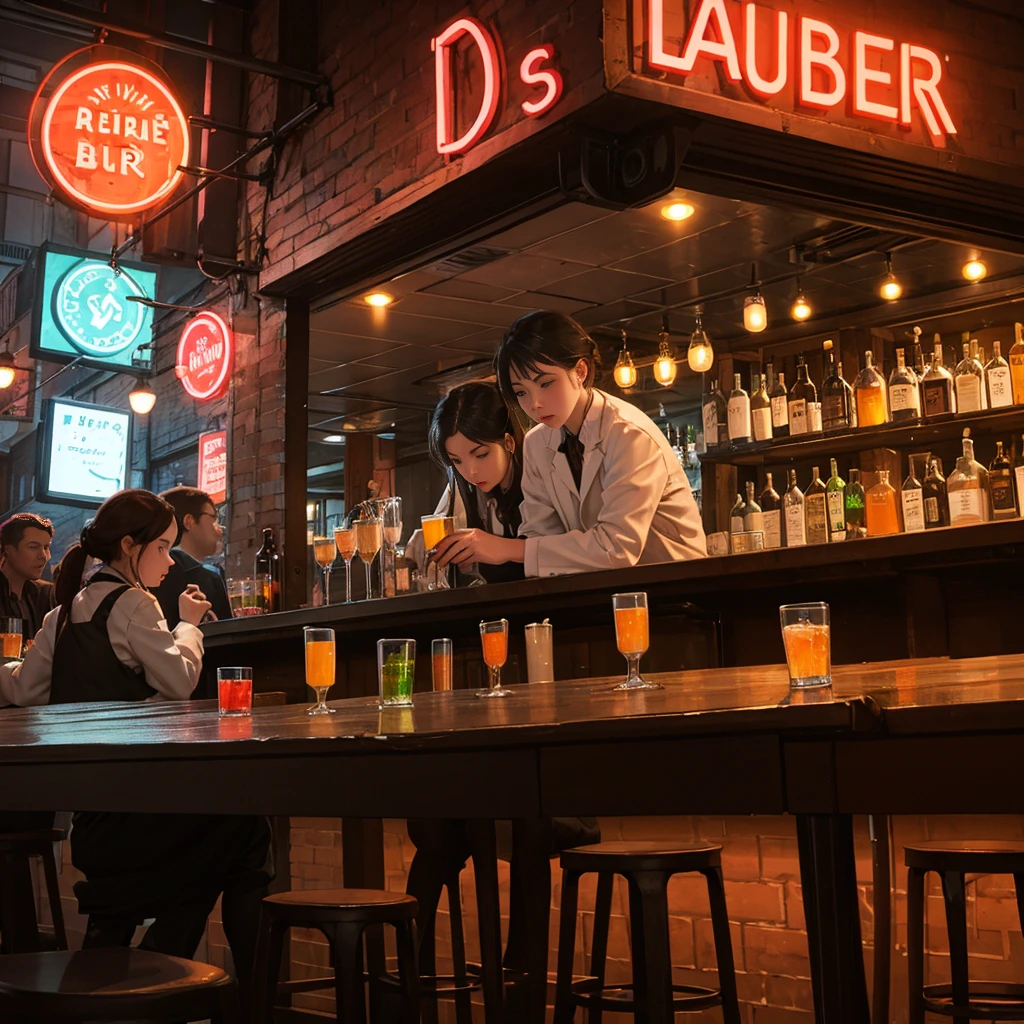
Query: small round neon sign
205	354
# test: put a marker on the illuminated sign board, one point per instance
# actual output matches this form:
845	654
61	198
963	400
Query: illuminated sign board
213	465
109	134
205	354
82	308
84	452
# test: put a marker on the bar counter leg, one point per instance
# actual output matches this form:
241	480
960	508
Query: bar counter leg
828	877
480	832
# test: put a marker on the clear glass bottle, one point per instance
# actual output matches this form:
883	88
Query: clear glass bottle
753	517
880	506
869	393
936	502
816	510
738	412
1001	486
760	409
779	398
978	358
998	386
967	489
736	516
1017	364
715	413
920	366
801	394
912	499
969	383
793	504
771	514
856	499
904	392
835	496
836	394
938	397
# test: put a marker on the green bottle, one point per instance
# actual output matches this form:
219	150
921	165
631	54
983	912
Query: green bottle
835	492
856	523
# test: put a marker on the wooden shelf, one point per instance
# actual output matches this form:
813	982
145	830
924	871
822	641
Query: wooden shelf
892	435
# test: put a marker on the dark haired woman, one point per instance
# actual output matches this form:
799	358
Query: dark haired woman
108	641
602	488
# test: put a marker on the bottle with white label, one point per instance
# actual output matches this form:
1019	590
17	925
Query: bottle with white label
904	392
801	394
760	409
938	396
978	358
967	489
912	497
771	514
997	380
780	407
714	412
793	504
970	387
753	517
739	413
835	496
816	510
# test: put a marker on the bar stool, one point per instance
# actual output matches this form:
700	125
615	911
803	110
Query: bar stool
17	921
116	984
342	915
952	861
652	997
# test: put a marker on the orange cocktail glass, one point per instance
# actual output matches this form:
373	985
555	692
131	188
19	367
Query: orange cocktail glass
345	542
632	636
494	640
320	664
807	636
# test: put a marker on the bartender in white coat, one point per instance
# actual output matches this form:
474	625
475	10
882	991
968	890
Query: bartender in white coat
602	488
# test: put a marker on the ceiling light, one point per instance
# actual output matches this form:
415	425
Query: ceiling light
677	211
334	439
755	314
665	365
141	398
891	288
801	307
974	269
700	355
624	372
378	299
7	369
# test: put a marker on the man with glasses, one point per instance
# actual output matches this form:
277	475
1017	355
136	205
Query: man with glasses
199	537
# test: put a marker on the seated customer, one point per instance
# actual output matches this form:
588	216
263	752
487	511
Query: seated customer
108	641
199	537
25	545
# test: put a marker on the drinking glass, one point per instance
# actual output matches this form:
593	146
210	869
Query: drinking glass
806	634
540	662
234	691
235	596
391	516
441	664
325	552
396	672
494	638
435	529
632	637
319	666
369	537
10	634
345	541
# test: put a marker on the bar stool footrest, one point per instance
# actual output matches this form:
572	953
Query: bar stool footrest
592	995
440	986
988	1000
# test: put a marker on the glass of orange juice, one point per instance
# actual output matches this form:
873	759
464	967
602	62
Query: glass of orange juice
494	638
807	636
319	666
435	529
632	637
11	638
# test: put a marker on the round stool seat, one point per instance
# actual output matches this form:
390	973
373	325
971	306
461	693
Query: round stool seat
621	857
370	906
992	857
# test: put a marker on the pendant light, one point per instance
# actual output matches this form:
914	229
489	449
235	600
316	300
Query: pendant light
974	269
891	288
141	398
624	372
7	367
801	307
755	313
700	355
665	365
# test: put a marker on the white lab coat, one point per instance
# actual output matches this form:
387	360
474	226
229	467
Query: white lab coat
634	505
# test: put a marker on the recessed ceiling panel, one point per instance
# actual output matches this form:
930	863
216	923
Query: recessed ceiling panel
524	272
603	285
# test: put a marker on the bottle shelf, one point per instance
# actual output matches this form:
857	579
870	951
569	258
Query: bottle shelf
892	435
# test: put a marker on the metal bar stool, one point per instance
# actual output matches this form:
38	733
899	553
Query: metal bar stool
17	911
961	1000
342	915
115	984
652	997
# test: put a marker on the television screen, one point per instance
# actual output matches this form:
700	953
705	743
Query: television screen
84	454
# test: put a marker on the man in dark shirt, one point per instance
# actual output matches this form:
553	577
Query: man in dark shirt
25	541
199	536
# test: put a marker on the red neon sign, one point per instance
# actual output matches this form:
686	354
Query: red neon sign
112	136
532	73
205	354
822	79
213	465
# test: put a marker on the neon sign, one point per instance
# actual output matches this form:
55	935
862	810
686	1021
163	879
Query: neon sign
811	56
205	353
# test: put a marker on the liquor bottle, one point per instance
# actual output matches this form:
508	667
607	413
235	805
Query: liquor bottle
997	380
736	516
780	406
760	409
771	514
793	502
836	499
938	398
268	564
738	413
920	367
753	517
882	520
1017	364
978	358
836	394
869	391
715	414
855	499
967	488
1000	484
904	392
912	497
936	502
800	394
969	383
816	510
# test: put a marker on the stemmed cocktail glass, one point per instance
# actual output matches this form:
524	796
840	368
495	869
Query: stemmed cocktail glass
325	552
345	541
391	516
369	538
494	638
320	662
632	637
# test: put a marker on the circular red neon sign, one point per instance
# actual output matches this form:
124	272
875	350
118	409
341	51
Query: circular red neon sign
205	352
111	135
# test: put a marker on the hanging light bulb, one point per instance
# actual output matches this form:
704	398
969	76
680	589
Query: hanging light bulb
801	307
624	372
141	398
7	368
665	365
891	288
974	269
700	355
755	313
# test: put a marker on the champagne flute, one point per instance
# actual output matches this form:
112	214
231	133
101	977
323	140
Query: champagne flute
320	662
494	639
632	636
369	538
325	552
345	541
391	514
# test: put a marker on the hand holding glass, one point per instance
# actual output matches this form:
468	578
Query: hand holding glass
494	638
319	666
632	635
806	634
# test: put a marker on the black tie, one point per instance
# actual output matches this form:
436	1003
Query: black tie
572	448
